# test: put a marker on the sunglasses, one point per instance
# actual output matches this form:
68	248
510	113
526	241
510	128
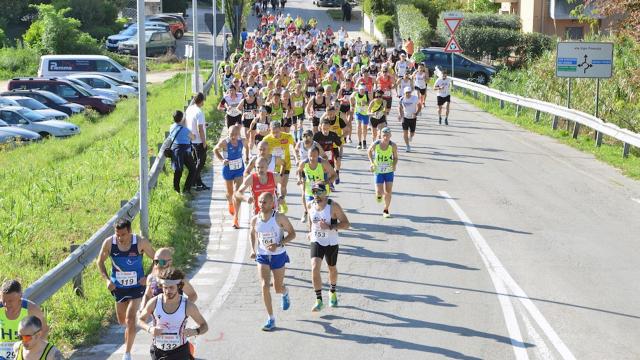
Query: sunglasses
27	338
318	192
307	135
161	262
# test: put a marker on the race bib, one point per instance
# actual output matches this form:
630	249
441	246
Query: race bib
6	351
235	164
166	342
233	112
298	104
267	238
279	152
387	93
378	114
262	127
127	278
384	168
248	115
319	234
319	113
311	89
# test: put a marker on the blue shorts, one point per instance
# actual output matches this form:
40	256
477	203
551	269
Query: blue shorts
384	178
362	118
126	294
275	262
229	175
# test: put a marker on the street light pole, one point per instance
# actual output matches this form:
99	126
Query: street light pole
215	49
196	58
142	117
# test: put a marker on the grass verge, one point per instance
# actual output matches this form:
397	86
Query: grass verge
59	192
610	152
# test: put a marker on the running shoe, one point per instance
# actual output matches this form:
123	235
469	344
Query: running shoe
333	300
408	148
126	356
232	210
385	214
286	303
304	217
318	306
378	199
269	325
440	121
333	188
446	121
282	207
236	225
338	180
359	146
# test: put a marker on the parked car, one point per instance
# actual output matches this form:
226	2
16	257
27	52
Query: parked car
109	94
18	133
176	22
49	99
8	102
118	81
7	139
329	3
157	43
464	68
132	30
30	120
37	106
66	90
64	65
103	82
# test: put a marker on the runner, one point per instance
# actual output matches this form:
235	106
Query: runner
326	217
402	66
360	103
346	113
383	157
265	152
338	126
315	168
33	343
248	106
261	181
410	108
330	142
163	260
268	228
280	144
316	107
298	100
420	80
288	111
259	127
14	308
378	117
170	311
229	104
443	85
127	281
385	83
233	167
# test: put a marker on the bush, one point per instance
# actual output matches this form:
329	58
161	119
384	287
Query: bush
175	6
431	9
18	61
413	24
532	45
480	41
97	17
483	20
3	38
385	24
378	7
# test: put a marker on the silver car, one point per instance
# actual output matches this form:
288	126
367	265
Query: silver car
103	82
39	107
109	94
18	133
30	120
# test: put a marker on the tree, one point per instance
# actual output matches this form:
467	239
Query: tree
627	13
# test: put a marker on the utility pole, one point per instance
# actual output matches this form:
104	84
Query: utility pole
215	49
196	58
142	117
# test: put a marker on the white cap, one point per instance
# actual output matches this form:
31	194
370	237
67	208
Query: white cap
407	89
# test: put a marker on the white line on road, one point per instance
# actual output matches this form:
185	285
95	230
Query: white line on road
636	200
490	257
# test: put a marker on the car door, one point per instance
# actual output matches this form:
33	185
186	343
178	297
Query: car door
68	92
442	60
154	45
462	67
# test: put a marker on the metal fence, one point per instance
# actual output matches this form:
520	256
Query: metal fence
579	118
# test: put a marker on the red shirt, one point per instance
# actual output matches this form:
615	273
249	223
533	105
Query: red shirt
257	188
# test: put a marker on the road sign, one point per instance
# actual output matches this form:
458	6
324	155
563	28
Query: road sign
188	51
452	24
584	59
208	20
453	15
453	46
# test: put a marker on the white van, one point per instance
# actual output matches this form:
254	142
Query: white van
64	65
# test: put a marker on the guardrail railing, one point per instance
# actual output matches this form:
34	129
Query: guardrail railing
579	118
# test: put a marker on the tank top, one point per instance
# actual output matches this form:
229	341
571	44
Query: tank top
346	93
322	237
304	151
402	67
335	127
312	175
319	109
377	110
234	155
421	80
383	159
249	107
298	104
269	232
43	356
258	188
9	329
172	325
233	104
385	84
126	266
403	84
362	102
276	113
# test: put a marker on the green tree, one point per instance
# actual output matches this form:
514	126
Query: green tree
482	6
97	17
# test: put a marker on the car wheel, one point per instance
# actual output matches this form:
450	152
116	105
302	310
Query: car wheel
44	134
179	34
481	78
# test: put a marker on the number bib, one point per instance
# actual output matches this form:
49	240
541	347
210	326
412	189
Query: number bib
235	164
319	113
248	115
319	234
279	152
267	238
311	89
378	114
166	342
387	93
6	351
384	168
127	278
262	127
298	104
233	112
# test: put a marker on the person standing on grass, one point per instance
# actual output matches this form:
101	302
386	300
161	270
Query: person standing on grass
196	124
181	138
127	280
443	86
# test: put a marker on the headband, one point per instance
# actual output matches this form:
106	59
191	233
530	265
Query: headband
168	282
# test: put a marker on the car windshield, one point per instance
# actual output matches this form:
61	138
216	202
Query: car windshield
130	31
32	104
31	115
55	98
83	91
3	124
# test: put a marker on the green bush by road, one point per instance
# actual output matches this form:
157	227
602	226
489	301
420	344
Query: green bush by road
60	192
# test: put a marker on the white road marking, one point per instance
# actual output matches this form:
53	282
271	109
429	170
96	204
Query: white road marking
541	348
636	200
503	275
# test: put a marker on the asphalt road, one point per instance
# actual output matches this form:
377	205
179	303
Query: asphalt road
503	245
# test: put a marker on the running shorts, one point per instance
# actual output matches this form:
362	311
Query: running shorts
229	174
275	262
409	124
421	91
362	118
180	353
328	253
383	178
375	122
126	294
443	99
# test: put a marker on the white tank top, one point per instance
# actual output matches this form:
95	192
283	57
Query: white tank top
402	67
322	237
268	232
233	104
172	325
272	164
421	80
304	152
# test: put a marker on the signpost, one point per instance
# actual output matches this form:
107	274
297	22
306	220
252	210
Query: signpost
452	20
591	60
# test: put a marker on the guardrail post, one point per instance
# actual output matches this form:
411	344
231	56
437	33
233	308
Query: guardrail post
159	146
77	280
166	134
554	123
501	104
576	130
486	98
568	125
625	150
537	115
475	95
517	110
598	138
152	159
123	203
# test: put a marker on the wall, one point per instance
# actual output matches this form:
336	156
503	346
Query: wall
369	26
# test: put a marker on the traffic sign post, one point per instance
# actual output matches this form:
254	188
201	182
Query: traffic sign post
452	20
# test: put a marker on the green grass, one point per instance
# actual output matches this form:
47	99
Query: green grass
59	192
610	152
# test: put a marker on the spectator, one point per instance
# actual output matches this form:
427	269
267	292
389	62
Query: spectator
13	309
195	123
181	147
33	344
244	35
164	260
408	47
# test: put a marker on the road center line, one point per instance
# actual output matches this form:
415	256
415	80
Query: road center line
494	264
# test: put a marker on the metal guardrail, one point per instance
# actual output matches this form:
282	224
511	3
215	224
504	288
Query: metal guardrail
628	137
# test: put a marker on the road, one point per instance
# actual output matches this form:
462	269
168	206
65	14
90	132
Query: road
503	245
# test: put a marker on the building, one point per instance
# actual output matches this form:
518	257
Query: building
552	17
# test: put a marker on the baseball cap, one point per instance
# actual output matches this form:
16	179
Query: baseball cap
251	91
319	186
362	87
276	124
308	132
386	130
407	89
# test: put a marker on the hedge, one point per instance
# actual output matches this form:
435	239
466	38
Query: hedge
481	20
385	24
412	24
378	7
500	43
